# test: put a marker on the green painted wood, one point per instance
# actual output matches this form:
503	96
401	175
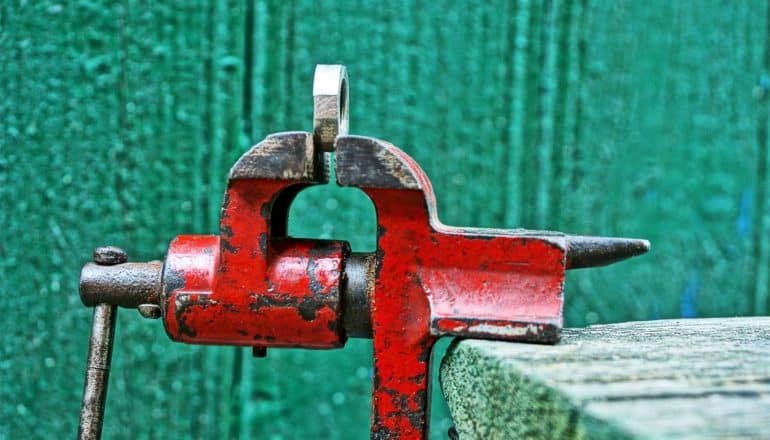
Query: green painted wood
118	123
669	146
665	379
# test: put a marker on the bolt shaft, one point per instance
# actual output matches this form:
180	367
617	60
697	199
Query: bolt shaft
99	354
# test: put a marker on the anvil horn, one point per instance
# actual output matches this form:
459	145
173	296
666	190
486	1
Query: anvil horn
585	251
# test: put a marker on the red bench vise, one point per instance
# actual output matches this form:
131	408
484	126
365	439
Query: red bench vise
253	285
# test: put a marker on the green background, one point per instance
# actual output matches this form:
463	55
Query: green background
119	121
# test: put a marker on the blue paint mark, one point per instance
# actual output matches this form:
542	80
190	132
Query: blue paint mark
764	82
687	299
743	224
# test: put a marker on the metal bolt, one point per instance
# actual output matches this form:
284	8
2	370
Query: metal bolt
109	255
330	105
149	311
99	354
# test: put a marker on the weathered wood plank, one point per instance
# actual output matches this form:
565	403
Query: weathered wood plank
694	379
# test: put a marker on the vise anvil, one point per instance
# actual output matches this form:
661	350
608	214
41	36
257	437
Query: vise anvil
254	285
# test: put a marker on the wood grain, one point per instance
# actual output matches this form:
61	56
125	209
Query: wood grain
683	379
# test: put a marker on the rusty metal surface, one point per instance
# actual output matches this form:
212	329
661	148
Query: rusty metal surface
358	289
601	251
109	255
124	285
366	162
252	285
99	352
150	311
97	372
282	156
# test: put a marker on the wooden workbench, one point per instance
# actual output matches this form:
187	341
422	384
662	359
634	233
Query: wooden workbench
694	379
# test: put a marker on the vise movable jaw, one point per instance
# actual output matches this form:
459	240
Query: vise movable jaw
254	285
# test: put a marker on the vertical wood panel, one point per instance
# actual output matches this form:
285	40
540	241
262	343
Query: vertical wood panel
667	150
761	218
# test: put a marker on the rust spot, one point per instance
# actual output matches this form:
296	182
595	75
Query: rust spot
475	236
263	242
417	418
383	433
308	309
225	243
265	210
418	379
307	306
182	309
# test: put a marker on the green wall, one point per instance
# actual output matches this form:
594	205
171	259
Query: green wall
119	121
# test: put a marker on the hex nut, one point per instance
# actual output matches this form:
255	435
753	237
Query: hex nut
330	105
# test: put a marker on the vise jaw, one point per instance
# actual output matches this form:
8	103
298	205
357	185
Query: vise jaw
254	285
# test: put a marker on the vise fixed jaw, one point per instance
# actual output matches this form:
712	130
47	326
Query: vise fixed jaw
254	285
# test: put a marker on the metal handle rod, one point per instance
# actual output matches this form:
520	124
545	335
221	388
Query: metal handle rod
97	372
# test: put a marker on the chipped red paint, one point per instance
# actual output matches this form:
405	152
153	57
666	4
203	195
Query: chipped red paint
434	280
252	285
249	288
